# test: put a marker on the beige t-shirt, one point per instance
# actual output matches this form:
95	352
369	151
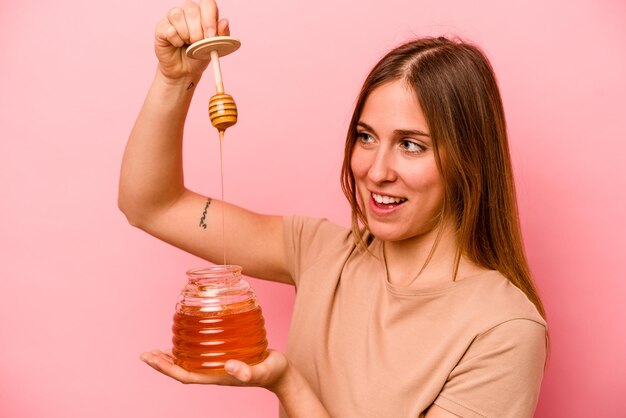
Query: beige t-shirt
475	347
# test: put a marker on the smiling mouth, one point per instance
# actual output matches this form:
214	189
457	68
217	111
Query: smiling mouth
387	202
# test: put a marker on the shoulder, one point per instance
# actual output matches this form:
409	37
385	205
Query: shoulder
305	233
312	227
309	240
494	316
491	299
502	350
500	372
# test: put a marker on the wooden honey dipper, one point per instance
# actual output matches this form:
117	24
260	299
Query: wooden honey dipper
222	107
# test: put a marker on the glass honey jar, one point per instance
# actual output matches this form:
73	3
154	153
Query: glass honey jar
217	319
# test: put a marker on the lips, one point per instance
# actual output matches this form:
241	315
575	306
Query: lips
385	204
387	200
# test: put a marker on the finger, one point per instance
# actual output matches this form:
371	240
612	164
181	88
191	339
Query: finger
166	34
163	362
223	27
164	356
150	359
169	353
166	367
176	17
194	24
156	355
239	370
209	16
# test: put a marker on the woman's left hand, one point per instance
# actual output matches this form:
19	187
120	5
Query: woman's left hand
267	374
275	373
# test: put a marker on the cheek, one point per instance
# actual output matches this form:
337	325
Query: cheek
427	181
358	164
436	190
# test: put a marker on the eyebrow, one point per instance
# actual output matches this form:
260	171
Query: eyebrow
399	132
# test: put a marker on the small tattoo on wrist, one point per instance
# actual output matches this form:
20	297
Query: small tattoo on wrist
191	85
206	207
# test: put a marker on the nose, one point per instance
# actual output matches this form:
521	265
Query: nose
382	167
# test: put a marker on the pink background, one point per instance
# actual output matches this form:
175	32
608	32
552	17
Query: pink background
82	293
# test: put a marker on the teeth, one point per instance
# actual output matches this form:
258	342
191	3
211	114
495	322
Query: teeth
385	200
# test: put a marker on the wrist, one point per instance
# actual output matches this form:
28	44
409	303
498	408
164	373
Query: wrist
173	94
187	82
297	397
286	383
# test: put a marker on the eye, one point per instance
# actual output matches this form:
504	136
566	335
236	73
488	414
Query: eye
411	146
364	138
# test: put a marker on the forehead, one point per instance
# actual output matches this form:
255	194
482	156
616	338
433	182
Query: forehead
394	105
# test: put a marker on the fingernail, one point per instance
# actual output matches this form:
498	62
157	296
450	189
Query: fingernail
230	367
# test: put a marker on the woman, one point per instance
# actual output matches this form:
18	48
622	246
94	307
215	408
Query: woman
425	307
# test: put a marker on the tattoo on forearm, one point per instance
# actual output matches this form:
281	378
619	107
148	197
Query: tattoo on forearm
191	85
206	207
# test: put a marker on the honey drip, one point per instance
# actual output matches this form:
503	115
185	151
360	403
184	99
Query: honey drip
223	201
223	114
204	341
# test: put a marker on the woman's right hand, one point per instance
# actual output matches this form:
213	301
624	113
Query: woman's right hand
181	27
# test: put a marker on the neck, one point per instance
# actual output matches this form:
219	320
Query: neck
421	260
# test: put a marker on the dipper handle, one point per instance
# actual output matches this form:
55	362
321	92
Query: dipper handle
222	107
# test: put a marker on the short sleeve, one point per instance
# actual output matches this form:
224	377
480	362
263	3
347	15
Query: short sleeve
307	239
500	374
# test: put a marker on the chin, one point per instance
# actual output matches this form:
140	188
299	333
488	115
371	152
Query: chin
387	233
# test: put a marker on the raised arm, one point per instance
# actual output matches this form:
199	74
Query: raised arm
152	193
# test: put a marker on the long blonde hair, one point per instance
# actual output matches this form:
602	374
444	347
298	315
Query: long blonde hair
458	93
